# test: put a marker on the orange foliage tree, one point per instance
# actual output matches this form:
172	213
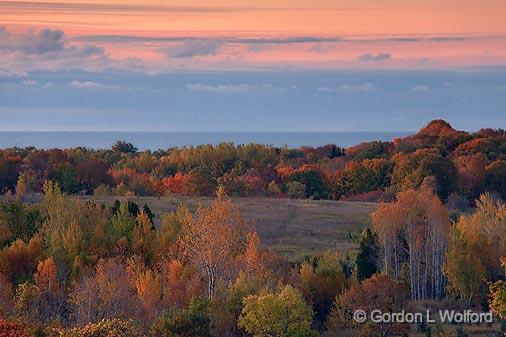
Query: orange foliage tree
213	238
417	225
13	329
379	292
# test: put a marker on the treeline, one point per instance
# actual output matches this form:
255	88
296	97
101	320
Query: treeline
460	165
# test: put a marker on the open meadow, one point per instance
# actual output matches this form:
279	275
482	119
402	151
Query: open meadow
292	227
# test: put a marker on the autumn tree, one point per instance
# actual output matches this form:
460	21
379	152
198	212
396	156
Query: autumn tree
213	238
6	295
463	267
14	329
19	260
478	242
143	236
495	179
149	290
227	305
498	296
92	173
167	233
411	169
472	173
72	229
361	177
253	259
284	314
181	284
105	294
103	328
321	283
413	232
378	292
43	301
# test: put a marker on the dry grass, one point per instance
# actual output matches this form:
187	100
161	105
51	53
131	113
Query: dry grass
293	228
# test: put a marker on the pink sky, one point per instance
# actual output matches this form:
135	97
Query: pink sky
359	34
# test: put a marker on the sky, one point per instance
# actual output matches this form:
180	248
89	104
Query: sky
211	65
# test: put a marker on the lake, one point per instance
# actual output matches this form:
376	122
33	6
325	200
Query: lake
163	140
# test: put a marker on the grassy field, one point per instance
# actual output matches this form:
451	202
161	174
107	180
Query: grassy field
293	228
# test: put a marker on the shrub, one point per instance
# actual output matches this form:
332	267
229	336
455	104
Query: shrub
295	190
13	329
104	328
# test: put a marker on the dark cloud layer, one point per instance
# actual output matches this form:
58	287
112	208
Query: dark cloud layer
42	42
241	40
374	57
192	48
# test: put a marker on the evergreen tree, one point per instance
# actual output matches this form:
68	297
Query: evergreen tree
368	254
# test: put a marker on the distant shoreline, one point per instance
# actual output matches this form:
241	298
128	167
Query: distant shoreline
154	140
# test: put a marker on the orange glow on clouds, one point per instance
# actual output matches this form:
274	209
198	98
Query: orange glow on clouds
374	34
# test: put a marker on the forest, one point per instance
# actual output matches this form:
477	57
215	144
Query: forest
462	165
75	267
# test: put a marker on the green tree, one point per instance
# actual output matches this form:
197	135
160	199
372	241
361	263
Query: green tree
285	314
477	245
123	223
367	261
463	267
295	190
322	284
313	182
17	221
193	321
123	147
498	296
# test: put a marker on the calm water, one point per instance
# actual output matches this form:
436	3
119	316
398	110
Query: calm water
164	140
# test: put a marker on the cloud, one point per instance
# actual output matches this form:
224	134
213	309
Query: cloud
374	57
447	38
29	83
42	41
419	88
238	40
7	73
189	47
384	39
322	48
87	85
220	89
426	61
232	88
285	40
364	87
46	49
4	34
33	42
192	48
48	85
